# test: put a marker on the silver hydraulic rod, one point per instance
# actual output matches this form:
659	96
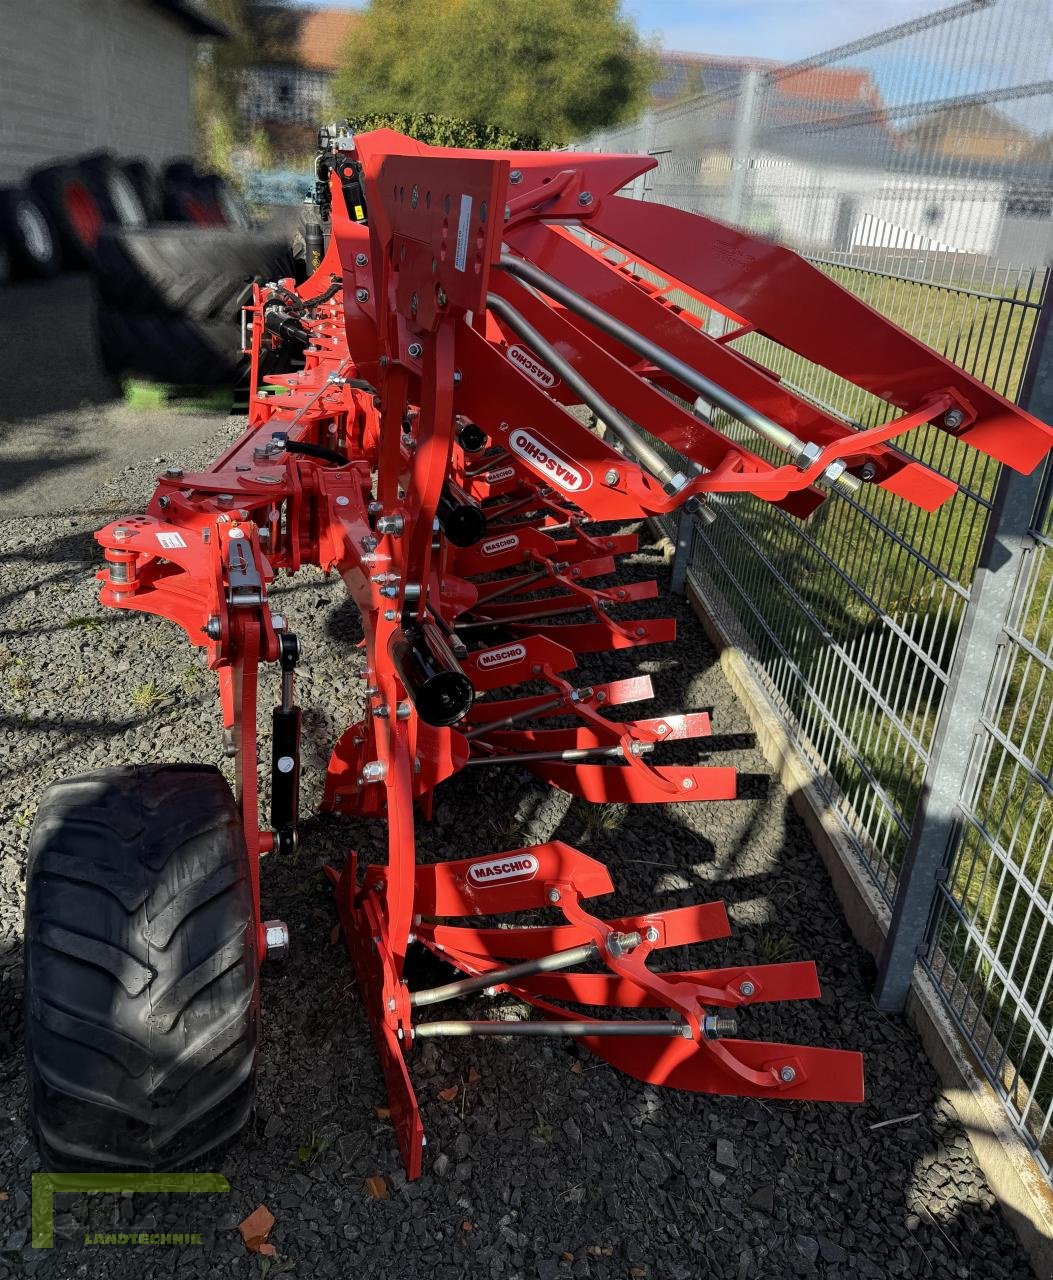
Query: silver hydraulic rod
480	982
514	584
802	453
604	410
604	1028
571	756
506	722
534	616
487	464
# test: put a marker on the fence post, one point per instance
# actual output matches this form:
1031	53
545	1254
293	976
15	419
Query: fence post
742	146
935	821
647	127
685	538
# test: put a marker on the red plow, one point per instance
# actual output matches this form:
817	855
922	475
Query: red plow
430	447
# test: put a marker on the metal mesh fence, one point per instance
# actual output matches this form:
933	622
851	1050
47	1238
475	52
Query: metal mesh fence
991	949
916	168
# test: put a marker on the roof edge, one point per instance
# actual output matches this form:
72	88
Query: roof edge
195	15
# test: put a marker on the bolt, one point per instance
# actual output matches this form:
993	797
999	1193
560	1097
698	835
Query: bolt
174	473
276	939
372	690
413	305
867	471
278	622
787	1075
715	1025
369	543
374	771
508	212
440	296
456	377
390	592
391	1004
361	295
360	259
641	632
121	532
164	502
392	525
610	477
224	499
213	628
381	712
585	199
746	988
399	1033
553	895
515	177
620	944
415	350
652	934
953	418
402	711
688	784
390	615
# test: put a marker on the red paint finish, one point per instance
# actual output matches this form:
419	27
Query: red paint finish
401	361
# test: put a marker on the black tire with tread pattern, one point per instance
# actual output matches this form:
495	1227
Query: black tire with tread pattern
174	350
142	970
201	272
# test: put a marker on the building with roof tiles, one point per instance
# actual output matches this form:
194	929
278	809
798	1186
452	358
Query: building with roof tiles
286	94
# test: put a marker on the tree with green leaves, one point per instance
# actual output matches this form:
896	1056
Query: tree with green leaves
545	70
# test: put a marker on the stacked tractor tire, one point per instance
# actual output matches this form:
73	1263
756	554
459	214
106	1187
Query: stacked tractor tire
174	254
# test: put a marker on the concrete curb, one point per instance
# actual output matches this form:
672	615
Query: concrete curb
1014	1176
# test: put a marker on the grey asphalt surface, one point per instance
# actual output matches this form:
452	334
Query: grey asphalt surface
545	1163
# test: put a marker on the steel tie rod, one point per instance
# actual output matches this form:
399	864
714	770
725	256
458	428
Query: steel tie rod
480	982
573	755
506	722
630	1027
611	417
802	452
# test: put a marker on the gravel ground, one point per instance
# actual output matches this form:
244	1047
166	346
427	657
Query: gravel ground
545	1163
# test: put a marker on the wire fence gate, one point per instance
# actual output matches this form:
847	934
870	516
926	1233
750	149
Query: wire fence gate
909	654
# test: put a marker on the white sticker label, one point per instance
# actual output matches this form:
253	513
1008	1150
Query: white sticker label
460	257
236	533
501	657
496	545
502	473
170	541
531	366
542	457
522	866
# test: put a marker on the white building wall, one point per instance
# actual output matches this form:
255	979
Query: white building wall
80	75
824	207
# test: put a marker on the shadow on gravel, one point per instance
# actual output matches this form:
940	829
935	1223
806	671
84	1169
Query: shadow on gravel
53	316
19	472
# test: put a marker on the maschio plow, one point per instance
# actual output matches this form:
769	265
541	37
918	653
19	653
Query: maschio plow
497	361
